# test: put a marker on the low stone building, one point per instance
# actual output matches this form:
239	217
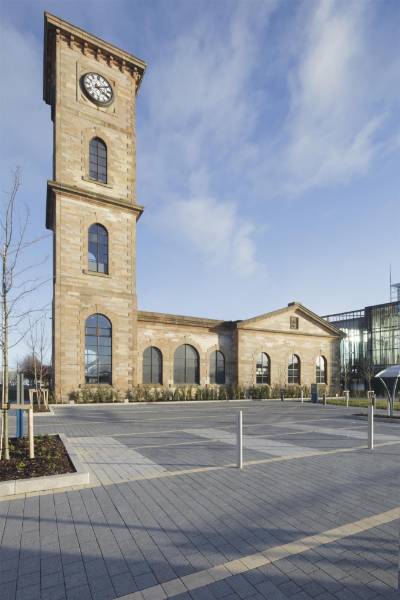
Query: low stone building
99	336
287	346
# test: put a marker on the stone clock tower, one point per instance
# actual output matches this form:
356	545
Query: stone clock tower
91	87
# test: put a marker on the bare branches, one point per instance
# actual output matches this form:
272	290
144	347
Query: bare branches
16	288
366	369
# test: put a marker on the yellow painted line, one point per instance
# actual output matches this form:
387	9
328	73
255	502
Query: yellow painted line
269	555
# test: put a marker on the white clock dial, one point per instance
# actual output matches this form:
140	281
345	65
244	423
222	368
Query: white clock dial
97	88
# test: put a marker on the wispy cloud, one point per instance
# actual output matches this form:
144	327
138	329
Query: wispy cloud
209	130
246	106
337	111
216	231
201	113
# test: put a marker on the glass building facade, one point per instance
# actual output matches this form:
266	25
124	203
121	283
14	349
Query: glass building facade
372	336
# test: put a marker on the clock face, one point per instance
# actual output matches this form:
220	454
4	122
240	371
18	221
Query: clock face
97	89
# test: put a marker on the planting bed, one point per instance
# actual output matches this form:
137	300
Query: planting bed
51	458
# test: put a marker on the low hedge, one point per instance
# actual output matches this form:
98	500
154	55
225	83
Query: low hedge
361	402
148	393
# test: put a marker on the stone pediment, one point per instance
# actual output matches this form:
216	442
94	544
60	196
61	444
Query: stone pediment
294	318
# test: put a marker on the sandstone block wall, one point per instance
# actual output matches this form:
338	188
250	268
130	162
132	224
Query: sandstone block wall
75	201
168	332
273	335
79	293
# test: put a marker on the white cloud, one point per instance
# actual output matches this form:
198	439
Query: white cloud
201	113
217	231
209	126
201	105
337	113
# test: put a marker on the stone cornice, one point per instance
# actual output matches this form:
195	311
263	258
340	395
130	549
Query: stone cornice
165	318
79	193
290	332
88	44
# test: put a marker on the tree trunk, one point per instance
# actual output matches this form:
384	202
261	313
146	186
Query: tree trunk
4	397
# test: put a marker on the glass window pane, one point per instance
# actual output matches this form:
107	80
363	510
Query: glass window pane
146	373
98	350
186	365
98	160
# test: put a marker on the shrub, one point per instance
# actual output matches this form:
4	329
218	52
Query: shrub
179	393
73	396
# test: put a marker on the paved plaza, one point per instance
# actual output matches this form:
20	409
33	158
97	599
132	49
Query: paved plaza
314	514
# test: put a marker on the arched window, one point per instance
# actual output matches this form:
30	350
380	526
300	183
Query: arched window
294	369
98	160
98	249
320	370
98	349
217	367
186	365
263	369
152	365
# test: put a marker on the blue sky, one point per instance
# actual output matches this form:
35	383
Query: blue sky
268	147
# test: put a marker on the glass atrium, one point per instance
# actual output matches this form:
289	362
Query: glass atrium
372	337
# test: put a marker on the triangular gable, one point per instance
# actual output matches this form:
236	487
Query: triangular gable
280	320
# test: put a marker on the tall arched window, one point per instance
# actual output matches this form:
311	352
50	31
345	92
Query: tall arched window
217	367
98	349
263	369
152	365
186	365
98	249
294	369
98	160
320	370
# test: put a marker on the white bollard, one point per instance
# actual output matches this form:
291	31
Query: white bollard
240	441
347	394
371	426
30	433
302	396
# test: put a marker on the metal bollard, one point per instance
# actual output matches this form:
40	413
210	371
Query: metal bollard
20	423
347	394
371	424
324	398
302	396
30	433
20	400
240	441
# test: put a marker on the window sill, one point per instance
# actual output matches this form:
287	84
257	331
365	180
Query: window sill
95	273
96	182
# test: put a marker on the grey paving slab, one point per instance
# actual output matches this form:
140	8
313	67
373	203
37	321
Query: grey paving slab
138	537
110	461
271	447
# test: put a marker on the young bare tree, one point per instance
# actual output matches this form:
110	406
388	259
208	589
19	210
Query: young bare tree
366	369
18	281
346	375
38	343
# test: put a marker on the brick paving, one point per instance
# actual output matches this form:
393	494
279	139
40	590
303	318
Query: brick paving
313	515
